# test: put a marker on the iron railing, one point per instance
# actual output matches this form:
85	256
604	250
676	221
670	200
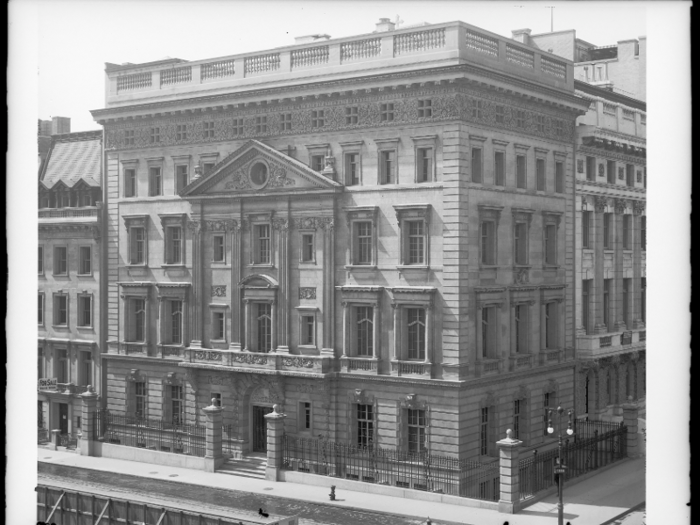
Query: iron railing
586	429
536	473
231	446
43	435
387	466
154	434
68	440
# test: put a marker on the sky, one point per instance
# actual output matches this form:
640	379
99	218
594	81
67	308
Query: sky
76	37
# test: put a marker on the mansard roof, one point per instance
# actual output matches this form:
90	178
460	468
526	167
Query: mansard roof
74	157
232	175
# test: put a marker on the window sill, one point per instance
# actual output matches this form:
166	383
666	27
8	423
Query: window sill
402	267
137	265
308	348
85	275
218	341
86	328
360	266
550	266
220	264
261	265
60	275
307	263
177	266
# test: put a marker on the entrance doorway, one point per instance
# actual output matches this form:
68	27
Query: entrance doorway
260	428
63	418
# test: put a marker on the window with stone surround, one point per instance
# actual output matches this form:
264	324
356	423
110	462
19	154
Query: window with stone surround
364	331
155	135
551	325
590	168
181	177
627	232
586	224
521	328
305	418
550	230
541	174
60	309
318	118
425	148
352	162
518	406
387	151
40	308
607	288
521	236
85	262
86	364
173	230
181	132
219	248
130	186
500	114
607	231
364	422
140	399
218	325
362	223
484	431
626	288
610	171
307	330
386	112
351	115
137	245
285	121
521	171
413	223
129	137
629	174
60	260
499	160
135	329
261	124
61	368
416	333
40	262
425	108
643	232
155	181
173	321
477	165
417	426
586	304
237	126
477	108
489	332
307	250
85	310
489	217
559	177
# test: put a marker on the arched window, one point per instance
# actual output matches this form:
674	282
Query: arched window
264	327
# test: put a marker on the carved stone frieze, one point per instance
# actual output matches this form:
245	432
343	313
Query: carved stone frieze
307	293
218	290
280	224
207	356
194	226
521	275
298	362
222	225
638	207
249	359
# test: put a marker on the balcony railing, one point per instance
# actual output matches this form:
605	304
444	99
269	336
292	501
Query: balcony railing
411	368
66	388
606	341
359	365
551	356
171	351
269	361
64	213
518	362
488	367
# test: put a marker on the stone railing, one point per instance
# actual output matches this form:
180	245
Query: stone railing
171	351
518	362
359	365
269	361
134	348
550	356
487	367
69	388
63	213
605	341
411	368
447	44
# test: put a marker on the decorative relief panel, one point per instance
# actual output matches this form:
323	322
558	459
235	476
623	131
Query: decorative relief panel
298	362
223	225
218	290
307	293
207	356
249	359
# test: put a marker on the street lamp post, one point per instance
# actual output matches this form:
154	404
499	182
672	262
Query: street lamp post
560	469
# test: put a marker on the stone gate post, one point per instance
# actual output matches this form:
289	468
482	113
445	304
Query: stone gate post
87	441
214	456
275	434
509	464
630	415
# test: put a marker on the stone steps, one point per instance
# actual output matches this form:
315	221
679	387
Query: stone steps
247	467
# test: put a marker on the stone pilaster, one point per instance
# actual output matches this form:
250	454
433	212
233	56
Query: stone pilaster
275	434
599	268
281	337
617	309
214	456
630	415
88	438
509	465
196	311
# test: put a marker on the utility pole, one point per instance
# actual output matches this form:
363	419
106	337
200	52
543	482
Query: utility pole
551	11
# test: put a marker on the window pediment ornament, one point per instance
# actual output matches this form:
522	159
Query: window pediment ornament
135	289
551	217
171	378
490	212
358	213
172	219
522	214
222	225
195	227
360	397
135	221
258	280
412	211
489	400
410	401
172	291
135	376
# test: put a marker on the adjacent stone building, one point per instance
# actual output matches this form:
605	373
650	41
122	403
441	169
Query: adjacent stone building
373	232
69	279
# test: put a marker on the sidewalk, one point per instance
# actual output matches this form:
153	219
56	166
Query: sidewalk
590	502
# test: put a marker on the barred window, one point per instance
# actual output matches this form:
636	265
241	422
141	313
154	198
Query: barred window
351	115
140	398
386	112
318	119
365	425
285	122
425	108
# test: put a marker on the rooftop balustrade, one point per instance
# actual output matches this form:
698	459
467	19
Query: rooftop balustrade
437	45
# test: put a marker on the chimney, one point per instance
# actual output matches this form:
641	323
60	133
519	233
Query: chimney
310	38
384	25
522	36
60	125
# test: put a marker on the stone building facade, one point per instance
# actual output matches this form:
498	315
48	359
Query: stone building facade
69	278
372	232
611	182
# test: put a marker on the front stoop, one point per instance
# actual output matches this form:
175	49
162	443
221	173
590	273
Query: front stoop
249	466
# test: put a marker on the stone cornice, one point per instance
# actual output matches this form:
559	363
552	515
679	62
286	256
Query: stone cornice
632	159
257	371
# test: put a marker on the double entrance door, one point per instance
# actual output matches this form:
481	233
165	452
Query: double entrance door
63	418
260	428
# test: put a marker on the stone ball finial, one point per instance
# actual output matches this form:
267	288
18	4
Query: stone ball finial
275	409
213	401
90	389
509	434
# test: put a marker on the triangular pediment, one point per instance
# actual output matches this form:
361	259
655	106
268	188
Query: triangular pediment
256	168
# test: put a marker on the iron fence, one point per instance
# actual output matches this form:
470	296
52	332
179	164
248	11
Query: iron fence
386	466
153	434
42	435
585	429
536	473
231	446
68	440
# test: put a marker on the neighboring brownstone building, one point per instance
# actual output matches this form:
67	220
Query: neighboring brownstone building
69	280
374	232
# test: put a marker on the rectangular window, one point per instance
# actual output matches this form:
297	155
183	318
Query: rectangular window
516	418
130	183
541	175
416	242
500	168
264	325
351	115
484	432
318	118
84	310
590	168
416	431
262	244
488	331
129	137
352	169
559	177
607	231
155	135
488	242
285	122
261	124
40	308
519	118
41	364
547	406
181	177
630	174
477	168
365	425
610	172
218	326
87	368
521	171
522	331
586	227
60	310
607	286
477	107
208	128
237	126
181	132
424	164
40	263
363	243
140	399
307	247
415	323
539	122
364	330
177	404
219	248
626	284
551	323
216	396
137	245
500	114
136	329
173	248
60	260
85	266
62	368
308	330
155	182
175	323
550	244
626	232
387	161
586	304
520	242
386	112
425	108
304	416
317	162
643	232
643	287
558	127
